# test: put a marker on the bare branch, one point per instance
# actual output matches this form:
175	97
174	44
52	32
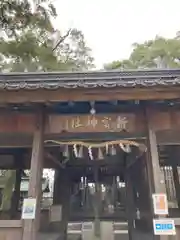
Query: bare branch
62	39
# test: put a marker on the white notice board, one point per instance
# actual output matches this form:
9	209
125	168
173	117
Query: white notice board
160	204
29	208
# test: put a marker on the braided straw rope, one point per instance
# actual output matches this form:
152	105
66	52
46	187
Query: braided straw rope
98	145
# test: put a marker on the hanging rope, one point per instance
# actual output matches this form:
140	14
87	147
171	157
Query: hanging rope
98	145
109	146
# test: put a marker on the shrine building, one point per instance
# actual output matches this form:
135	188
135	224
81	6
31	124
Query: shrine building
112	141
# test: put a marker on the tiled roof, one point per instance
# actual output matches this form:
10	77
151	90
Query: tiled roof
106	79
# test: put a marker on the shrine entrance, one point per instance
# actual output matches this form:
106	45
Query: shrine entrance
108	188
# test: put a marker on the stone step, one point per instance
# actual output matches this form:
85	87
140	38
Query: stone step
74	228
120	227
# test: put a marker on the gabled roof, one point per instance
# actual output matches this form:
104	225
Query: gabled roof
106	79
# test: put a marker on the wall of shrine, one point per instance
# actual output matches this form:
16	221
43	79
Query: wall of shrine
130	122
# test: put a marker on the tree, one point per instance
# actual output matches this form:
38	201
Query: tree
7	191
29	41
157	53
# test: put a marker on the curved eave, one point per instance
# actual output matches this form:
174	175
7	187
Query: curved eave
98	84
88	80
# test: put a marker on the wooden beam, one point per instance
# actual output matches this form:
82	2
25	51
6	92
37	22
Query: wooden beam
24	140
100	94
54	159
18	140
31	226
168	137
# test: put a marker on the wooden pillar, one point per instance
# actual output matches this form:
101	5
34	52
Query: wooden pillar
142	203
131	182
31	226
176	183
97	204
17	187
57	181
156	178
56	199
130	208
174	156
61	197
65	202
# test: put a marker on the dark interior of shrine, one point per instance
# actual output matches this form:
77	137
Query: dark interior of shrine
105	172
109	175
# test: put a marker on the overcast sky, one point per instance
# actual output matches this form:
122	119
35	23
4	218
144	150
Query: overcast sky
111	26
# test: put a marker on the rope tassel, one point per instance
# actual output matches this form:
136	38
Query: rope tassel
125	147
66	151
90	153
75	150
80	154
107	149
100	154
113	151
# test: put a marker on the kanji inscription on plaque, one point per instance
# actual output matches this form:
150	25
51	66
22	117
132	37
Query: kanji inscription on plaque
108	123
92	123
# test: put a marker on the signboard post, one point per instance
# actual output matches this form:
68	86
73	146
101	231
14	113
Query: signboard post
164	227
160	204
29	208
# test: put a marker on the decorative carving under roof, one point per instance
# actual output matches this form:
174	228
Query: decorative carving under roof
105	79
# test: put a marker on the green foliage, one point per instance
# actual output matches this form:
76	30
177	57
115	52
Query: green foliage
10	178
157	53
29	41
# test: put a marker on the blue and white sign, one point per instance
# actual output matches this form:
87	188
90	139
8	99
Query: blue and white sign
164	227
